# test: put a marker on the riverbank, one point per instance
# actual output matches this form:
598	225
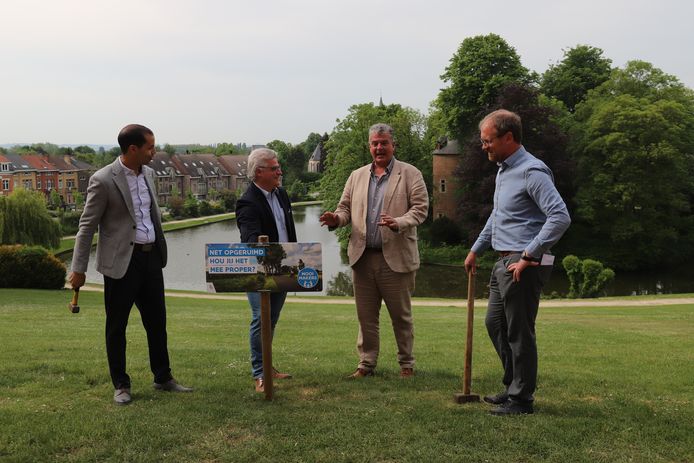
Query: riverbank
627	301
67	243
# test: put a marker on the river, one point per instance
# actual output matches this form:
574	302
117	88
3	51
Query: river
186	268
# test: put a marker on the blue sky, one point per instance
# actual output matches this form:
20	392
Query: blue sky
207	71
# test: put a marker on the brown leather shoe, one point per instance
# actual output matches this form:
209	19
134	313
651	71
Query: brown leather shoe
361	373
406	372
259	385
277	375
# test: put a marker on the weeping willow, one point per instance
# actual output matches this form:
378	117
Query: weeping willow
24	219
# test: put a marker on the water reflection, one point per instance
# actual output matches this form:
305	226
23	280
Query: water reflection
187	264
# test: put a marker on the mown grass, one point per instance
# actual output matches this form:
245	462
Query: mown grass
615	385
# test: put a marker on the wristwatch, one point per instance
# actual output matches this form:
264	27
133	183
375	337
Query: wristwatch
529	258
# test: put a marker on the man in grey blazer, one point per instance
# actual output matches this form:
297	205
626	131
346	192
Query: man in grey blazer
384	202
130	253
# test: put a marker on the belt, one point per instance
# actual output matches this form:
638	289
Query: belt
508	253
143	247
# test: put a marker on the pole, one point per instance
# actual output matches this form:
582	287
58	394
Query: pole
466	396
266	333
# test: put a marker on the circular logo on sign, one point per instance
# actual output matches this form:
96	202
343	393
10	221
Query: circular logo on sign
307	277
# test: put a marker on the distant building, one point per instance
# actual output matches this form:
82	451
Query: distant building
315	163
236	165
39	172
169	177
446	159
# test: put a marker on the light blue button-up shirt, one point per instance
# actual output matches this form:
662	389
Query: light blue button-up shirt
529	214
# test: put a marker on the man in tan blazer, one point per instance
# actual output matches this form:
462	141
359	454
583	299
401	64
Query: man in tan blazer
384	202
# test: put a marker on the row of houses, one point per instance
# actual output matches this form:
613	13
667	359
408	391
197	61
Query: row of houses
63	174
199	174
176	174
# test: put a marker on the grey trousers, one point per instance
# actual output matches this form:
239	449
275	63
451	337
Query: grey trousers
510	323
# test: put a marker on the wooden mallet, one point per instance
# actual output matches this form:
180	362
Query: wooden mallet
466	396
74	308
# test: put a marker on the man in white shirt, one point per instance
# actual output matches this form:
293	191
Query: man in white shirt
130	253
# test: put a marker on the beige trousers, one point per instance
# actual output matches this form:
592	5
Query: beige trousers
374	282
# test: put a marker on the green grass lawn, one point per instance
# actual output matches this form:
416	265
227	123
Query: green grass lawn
615	384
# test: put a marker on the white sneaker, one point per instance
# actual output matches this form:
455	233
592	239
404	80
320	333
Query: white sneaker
122	396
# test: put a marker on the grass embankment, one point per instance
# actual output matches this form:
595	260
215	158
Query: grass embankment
615	385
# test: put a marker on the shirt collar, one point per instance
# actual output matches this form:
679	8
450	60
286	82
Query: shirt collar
389	167
514	159
128	170
266	193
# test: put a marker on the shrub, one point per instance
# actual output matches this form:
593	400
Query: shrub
175	206
69	222
228	199
587	278
204	208
190	207
444	231
30	267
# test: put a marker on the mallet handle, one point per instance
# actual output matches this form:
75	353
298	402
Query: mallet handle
467	376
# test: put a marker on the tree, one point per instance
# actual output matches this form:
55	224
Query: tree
224	148
633	139
272	260
543	136
477	71
583	68
169	149
348	147
24	219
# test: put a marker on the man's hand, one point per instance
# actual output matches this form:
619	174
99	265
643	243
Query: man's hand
330	219
388	221
471	262
76	279
518	267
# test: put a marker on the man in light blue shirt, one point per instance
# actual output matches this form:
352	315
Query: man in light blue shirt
528	218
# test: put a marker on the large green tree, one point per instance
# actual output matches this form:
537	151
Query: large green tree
633	139
24	219
348	146
583	68
543	136
477	71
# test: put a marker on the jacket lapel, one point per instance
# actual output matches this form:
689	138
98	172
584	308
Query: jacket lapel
392	185
122	184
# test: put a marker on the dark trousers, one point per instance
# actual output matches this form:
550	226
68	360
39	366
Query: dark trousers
510	323
143	285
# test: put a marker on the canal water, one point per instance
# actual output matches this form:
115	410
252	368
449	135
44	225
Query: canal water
186	267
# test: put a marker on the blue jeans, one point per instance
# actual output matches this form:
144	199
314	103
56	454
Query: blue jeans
276	303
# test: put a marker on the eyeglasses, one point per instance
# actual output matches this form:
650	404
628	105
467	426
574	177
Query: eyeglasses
272	168
484	142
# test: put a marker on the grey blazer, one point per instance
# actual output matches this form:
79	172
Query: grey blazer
109	207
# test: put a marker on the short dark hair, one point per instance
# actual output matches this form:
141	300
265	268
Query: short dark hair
132	134
505	121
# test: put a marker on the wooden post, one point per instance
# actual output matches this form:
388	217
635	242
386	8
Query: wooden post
466	396
266	333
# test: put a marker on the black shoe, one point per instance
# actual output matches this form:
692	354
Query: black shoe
511	407
498	399
171	386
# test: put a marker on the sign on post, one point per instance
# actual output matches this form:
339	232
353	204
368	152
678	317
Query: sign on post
275	267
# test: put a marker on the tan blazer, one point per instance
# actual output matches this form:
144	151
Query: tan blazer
109	207
406	200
